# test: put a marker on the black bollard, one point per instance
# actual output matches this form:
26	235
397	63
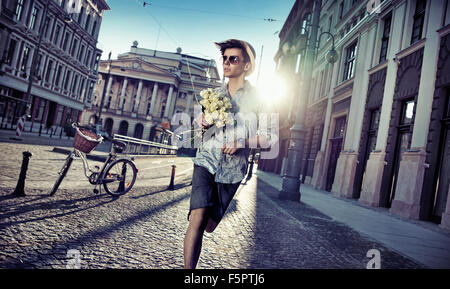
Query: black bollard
121	187
19	191
250	169
171	185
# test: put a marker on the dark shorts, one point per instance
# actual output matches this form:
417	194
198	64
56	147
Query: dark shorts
206	193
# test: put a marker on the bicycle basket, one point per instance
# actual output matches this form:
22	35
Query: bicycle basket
85	141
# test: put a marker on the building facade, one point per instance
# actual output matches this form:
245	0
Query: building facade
145	88
66	61
378	118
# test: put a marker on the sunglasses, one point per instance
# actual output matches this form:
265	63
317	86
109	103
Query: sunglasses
231	59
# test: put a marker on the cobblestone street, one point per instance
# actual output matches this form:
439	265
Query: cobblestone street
146	227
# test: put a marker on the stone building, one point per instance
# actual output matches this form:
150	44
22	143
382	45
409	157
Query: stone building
66	63
378	118
145	88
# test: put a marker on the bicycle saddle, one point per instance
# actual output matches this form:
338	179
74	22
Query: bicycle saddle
119	143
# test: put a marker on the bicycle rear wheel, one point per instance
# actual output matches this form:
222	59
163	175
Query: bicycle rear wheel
119	177
62	173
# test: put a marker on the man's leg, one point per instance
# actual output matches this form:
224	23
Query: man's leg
194	236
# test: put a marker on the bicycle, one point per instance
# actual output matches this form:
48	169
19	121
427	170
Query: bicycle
117	175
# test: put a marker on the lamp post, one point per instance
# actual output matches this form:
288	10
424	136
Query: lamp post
291	179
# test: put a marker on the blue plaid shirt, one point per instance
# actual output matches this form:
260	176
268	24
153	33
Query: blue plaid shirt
230	169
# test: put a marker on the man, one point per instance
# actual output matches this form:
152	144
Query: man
218	171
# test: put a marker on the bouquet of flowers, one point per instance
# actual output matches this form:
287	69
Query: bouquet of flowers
215	107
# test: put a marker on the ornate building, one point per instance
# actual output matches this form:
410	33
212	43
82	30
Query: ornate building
66	63
378	118
146	88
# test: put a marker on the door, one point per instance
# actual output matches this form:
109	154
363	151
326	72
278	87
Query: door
335	150
443	181
403	143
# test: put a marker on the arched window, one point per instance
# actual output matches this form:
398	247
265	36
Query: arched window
109	122
123	128
138	131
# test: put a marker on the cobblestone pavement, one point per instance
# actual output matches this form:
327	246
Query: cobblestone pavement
146	227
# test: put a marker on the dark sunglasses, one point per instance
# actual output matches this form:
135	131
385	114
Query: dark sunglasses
231	59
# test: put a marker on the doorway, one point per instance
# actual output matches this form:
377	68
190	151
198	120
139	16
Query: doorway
335	149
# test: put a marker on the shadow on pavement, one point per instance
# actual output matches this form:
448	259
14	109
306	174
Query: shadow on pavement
51	204
293	235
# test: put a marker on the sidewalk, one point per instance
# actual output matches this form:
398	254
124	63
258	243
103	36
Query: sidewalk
422	241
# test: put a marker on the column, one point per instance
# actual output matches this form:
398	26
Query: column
122	94
348	158
412	165
154	95
188	103
169	102
108	89
138	97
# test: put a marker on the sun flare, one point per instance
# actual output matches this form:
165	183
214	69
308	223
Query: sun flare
272	89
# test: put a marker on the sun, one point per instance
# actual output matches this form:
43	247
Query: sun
272	89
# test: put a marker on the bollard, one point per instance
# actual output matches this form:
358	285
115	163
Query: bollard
121	187
19	191
171	185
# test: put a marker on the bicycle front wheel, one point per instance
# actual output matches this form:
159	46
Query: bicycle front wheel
62	173
119	177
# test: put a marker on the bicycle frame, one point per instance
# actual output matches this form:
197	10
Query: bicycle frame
87	168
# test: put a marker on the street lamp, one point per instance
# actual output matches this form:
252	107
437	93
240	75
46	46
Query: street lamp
291	179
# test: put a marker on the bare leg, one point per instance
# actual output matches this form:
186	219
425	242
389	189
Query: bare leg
194	237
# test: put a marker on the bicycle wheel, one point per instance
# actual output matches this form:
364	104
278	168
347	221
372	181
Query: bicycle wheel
119	177
62	173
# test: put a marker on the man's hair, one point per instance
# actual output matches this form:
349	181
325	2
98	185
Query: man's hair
234	43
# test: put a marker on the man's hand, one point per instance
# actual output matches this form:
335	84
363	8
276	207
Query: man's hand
231	147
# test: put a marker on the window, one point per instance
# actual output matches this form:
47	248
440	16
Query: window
330	23
341	10
94	28
80	15
97	60
19	10
47	26
34	15
49	70
349	68
66	83
88	57
74	47
10	52
81	52
80	91
75	83
58	75
88	20
66	40
56	36
385	39
26	54
407	112
419	17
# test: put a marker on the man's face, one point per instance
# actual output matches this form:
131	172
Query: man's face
232	66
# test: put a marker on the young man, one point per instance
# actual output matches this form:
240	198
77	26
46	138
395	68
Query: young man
216	178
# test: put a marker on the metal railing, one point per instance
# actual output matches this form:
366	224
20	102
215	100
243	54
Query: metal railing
137	146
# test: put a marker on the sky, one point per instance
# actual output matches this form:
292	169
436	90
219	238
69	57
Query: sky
194	25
